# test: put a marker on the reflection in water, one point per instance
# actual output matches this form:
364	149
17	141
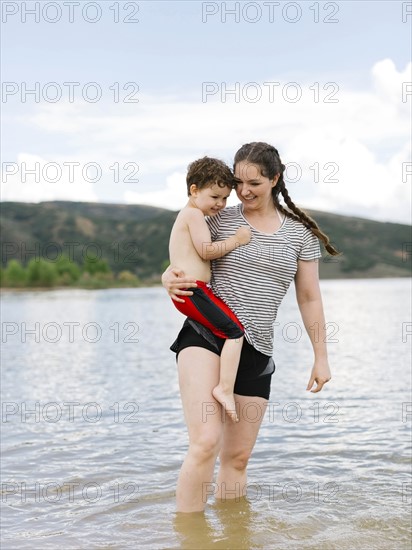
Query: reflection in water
228	524
193	530
236	517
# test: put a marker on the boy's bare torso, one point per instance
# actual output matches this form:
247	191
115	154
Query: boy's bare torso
182	253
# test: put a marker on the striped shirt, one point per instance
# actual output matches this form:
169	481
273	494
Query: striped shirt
254	278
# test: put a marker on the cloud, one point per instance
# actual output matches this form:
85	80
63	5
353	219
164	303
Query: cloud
364	134
34	179
174	195
388	82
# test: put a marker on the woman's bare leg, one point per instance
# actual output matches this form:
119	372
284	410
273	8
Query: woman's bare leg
238	442
229	362
198	375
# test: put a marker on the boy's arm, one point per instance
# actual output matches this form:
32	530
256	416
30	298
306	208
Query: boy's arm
202	241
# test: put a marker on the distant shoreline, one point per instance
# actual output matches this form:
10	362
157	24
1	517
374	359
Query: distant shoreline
132	240
7	290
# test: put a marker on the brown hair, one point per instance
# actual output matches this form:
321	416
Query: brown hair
207	171
268	159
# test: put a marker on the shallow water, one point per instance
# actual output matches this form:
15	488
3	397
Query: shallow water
93	433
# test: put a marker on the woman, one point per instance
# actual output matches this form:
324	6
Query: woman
252	280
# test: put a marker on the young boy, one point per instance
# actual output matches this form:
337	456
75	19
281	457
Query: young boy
209	183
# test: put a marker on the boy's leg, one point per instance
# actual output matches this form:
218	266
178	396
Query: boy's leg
229	362
210	311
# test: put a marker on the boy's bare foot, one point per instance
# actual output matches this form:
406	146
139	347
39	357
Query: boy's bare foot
227	400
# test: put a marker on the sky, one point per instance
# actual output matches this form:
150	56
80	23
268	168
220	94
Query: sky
110	101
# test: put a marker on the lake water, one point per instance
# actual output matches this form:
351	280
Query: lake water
93	434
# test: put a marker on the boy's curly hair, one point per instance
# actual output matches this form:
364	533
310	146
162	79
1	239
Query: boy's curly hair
206	172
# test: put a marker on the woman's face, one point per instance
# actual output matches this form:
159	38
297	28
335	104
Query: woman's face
253	189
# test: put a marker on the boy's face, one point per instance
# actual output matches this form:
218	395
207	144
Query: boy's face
210	199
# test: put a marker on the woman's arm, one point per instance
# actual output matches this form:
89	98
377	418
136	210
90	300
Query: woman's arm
174	280
311	308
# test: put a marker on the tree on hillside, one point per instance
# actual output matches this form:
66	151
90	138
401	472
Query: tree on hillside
67	270
41	273
15	275
94	266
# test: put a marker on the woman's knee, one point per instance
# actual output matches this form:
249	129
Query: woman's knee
206	446
236	459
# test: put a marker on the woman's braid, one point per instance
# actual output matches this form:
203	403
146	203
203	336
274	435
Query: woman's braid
268	158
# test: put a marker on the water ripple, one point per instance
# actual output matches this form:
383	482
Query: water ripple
329	471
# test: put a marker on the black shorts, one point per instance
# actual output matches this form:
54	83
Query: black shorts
255	369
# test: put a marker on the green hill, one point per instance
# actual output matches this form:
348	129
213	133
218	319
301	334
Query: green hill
135	238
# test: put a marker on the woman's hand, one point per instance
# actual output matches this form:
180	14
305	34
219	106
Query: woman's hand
174	280
320	374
